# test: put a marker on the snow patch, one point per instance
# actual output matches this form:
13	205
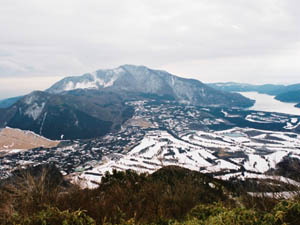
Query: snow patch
290	126
256	163
29	99
111	77
35	110
294	120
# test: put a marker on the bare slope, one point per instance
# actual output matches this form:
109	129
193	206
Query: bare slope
18	139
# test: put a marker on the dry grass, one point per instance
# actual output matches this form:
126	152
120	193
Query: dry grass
17	139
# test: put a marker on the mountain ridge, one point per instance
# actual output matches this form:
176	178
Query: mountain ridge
5	103
283	93
141	79
270	89
290	96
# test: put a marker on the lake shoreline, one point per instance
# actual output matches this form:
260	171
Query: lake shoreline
268	103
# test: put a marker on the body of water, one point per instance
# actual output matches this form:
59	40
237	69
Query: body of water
269	104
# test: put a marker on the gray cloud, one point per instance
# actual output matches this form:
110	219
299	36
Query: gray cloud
218	40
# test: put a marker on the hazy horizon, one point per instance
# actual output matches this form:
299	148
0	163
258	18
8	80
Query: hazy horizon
17	86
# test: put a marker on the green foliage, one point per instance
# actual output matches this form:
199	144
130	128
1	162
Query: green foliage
53	216
238	216
203	212
287	212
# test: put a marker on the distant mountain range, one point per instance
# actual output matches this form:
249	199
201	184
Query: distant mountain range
270	89
284	93
290	96
93	104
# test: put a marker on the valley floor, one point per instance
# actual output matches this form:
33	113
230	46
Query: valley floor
222	142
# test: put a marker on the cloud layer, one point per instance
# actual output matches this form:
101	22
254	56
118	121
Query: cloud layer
234	40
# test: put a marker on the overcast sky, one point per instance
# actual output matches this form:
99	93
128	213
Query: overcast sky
254	41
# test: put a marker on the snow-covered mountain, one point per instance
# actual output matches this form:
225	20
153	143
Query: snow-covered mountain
140	79
94	104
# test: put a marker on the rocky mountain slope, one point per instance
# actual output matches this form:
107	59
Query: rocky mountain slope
142	80
76	114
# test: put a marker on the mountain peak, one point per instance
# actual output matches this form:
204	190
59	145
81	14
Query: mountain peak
100	79
132	66
143	80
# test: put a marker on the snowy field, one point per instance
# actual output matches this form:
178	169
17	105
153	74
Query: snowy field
228	152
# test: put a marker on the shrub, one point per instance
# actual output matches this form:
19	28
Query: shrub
53	216
204	211
237	216
30	194
287	212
